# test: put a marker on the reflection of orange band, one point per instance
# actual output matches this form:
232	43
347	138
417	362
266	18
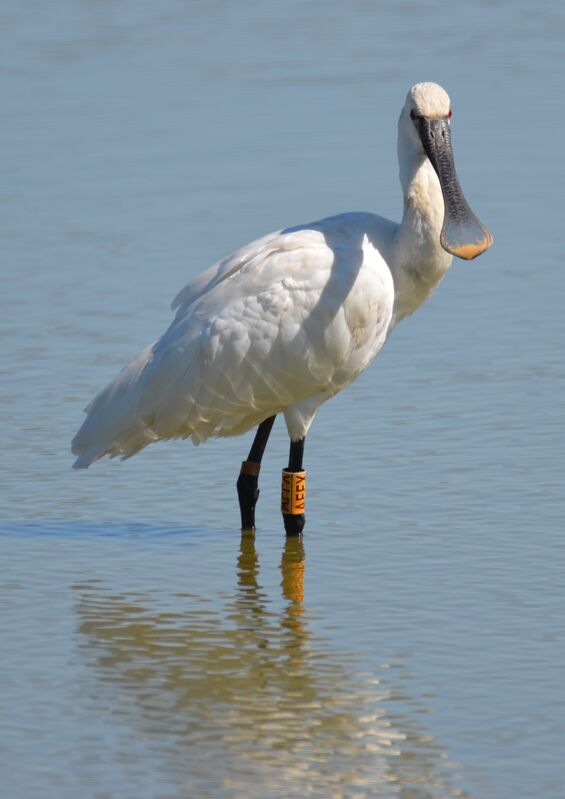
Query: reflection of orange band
249	467
293	496
293	581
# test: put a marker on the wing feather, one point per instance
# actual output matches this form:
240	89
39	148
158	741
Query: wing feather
283	323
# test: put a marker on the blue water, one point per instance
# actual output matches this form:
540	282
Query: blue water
412	645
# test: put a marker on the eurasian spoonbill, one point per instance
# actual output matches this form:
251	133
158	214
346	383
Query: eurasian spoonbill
286	322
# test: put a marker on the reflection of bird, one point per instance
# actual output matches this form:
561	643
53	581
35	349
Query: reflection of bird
286	322
243	698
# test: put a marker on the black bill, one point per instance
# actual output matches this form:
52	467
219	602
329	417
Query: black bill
462	234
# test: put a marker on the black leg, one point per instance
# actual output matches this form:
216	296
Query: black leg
294	490
247	482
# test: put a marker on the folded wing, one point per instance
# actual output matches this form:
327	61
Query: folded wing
280	325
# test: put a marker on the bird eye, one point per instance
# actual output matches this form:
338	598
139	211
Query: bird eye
412	114
450	114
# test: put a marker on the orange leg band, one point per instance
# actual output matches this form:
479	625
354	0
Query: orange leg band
293	495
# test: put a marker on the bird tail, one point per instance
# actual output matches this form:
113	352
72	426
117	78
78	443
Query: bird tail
112	426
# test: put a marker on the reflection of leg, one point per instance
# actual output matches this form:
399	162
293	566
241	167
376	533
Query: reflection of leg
248	480
292	569
294	490
248	564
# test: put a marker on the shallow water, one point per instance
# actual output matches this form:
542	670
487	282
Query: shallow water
412	644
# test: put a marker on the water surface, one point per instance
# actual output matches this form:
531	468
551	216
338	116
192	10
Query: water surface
412	644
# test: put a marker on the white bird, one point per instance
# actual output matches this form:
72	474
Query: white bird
286	322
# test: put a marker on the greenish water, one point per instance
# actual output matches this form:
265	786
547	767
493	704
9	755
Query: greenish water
412	645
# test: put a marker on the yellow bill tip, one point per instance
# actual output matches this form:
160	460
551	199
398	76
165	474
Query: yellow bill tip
471	250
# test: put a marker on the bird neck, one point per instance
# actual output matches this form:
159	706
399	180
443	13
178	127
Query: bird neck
419	261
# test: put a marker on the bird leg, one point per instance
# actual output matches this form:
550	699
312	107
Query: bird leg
248	480
294	490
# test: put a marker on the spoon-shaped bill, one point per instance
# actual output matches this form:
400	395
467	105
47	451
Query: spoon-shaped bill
462	234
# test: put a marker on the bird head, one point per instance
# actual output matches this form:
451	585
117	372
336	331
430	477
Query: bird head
425	129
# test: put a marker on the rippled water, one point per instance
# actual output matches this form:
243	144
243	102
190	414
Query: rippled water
412	645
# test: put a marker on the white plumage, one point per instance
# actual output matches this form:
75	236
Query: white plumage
285	322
